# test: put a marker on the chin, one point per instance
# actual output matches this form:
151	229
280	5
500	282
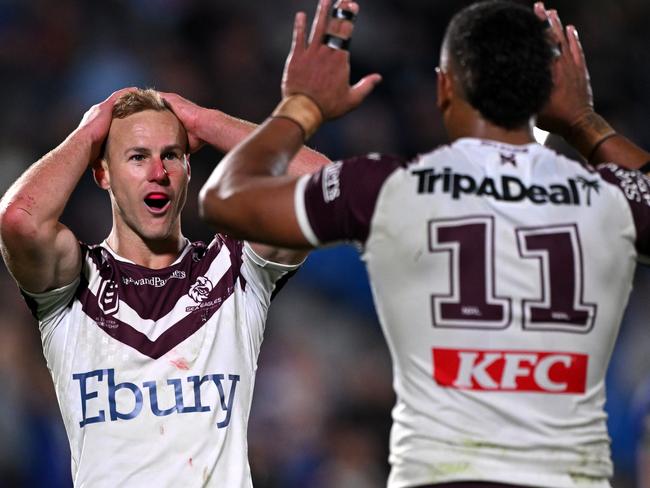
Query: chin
156	233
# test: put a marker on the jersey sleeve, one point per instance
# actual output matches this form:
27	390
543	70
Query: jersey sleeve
48	304
337	203
263	280
636	189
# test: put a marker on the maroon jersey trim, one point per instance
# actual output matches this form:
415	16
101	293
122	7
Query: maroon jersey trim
340	199
636	189
199	260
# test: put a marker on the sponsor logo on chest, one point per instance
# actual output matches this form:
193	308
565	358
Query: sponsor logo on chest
572	191
155	281
104	399
513	371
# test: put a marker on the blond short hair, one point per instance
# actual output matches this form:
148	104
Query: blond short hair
135	102
138	101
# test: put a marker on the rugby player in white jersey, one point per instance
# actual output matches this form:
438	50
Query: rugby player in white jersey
500	269
152	340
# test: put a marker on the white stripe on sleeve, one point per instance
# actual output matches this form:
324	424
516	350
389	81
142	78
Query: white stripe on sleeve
301	211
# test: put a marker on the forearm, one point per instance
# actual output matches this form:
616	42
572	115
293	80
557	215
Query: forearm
622	151
599	143
267	152
224	132
245	170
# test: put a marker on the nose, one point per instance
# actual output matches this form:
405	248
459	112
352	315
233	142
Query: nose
157	170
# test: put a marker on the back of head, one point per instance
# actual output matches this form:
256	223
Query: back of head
501	56
139	100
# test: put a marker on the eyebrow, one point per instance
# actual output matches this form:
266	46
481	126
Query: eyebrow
146	150
137	149
173	147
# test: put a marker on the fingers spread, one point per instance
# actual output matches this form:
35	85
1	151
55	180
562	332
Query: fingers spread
319	25
540	11
298	42
363	88
117	94
575	47
343	24
558	31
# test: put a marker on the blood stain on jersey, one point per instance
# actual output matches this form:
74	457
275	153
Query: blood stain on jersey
180	363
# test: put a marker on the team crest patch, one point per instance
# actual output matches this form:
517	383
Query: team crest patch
109	300
200	289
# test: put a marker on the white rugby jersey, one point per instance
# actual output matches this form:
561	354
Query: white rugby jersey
154	369
500	274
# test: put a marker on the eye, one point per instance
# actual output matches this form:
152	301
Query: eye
137	157
171	156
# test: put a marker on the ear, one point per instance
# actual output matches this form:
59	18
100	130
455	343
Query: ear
445	89
101	174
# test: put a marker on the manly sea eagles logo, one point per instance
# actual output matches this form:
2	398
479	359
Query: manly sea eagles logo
109	300
200	290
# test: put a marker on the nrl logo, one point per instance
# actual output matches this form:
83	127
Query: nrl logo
200	289
109	301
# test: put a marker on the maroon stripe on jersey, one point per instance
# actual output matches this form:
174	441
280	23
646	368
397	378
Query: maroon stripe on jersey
340	199
153	293
200	259
636	188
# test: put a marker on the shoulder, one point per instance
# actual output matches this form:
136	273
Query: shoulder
635	185
372	169
337	202
634	188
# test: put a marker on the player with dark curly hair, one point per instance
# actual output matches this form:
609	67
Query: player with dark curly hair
500	269
501	61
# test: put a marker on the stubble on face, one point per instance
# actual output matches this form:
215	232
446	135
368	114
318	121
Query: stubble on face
148	175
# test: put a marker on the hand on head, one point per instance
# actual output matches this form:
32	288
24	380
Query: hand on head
96	122
188	113
571	98
319	67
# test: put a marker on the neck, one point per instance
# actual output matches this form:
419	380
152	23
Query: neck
154	253
470	123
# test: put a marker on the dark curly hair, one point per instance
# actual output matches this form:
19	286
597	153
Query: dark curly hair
502	58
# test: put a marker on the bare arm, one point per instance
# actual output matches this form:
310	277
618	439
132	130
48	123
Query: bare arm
40	252
224	132
570	111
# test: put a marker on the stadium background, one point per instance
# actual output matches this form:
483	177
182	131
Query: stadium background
321	410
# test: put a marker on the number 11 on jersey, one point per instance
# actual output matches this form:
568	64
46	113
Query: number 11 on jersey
472	301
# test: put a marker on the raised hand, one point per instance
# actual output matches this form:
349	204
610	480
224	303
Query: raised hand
96	122
321	70
572	98
192	117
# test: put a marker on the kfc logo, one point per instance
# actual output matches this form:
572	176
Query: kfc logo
200	290
544	372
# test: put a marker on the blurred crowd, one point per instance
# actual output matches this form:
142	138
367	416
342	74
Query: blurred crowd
321	411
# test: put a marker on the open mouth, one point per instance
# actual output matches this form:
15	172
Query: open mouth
157	202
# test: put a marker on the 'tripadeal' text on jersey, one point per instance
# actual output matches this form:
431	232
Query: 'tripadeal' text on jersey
500	274
154	369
